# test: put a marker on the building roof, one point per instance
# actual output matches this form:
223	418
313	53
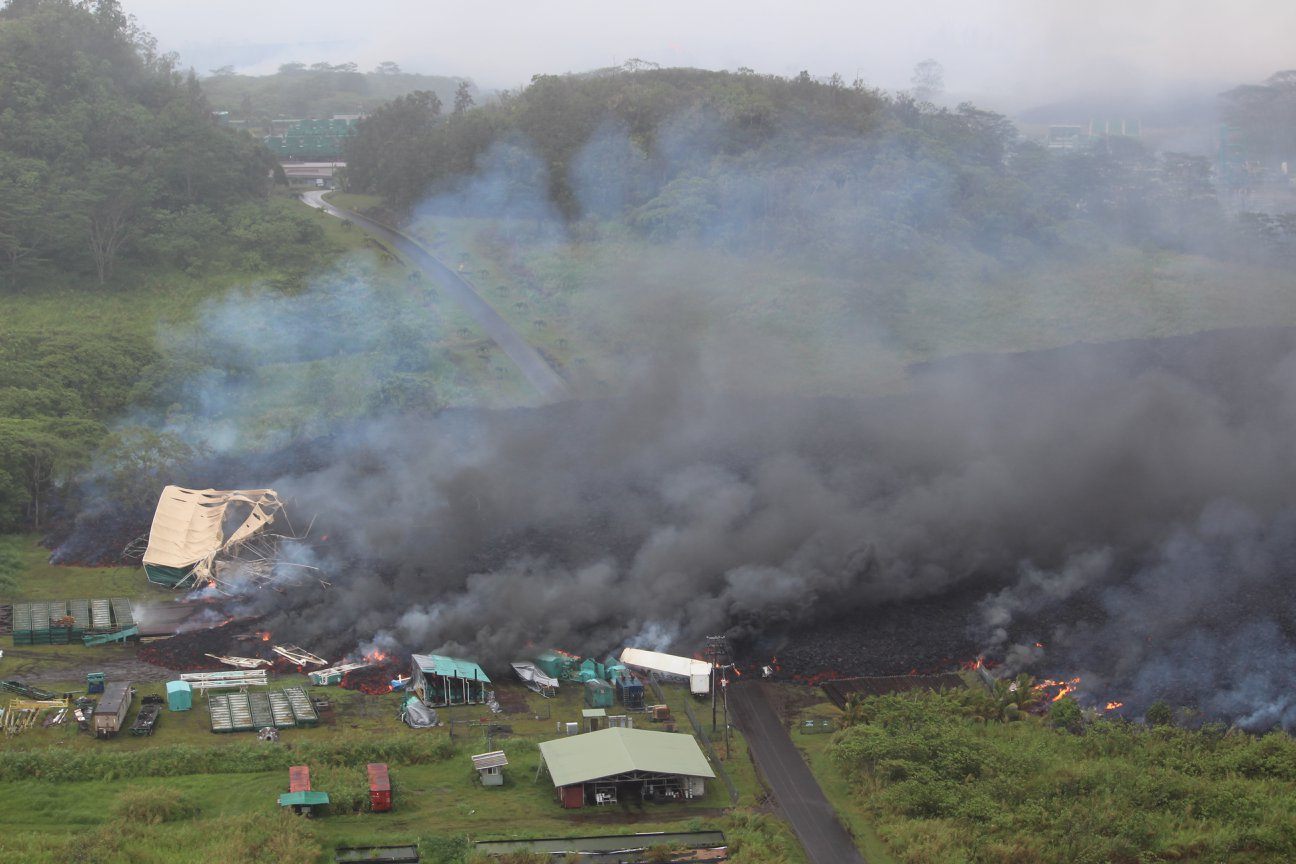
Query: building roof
494	759
583	758
115	693
450	667
594	712
181	686
303	799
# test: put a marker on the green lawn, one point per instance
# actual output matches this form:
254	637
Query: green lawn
441	797
39	815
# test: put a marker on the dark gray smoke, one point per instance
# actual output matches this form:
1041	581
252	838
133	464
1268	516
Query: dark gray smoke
1127	505
1146	483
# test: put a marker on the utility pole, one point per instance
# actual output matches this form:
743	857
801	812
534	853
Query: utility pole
718	654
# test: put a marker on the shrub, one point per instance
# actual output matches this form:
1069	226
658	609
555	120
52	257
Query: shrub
1159	714
150	805
1065	714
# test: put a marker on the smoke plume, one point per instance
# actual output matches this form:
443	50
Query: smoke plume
1128	506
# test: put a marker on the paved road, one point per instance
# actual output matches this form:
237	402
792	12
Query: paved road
797	792
533	365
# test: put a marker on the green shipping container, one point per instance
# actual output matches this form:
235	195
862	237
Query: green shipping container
599	694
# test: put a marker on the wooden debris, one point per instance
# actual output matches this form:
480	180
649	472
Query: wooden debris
299	656
240	662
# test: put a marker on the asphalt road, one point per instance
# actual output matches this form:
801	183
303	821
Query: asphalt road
534	367
795	788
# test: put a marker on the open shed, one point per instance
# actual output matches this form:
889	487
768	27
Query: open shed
614	765
440	681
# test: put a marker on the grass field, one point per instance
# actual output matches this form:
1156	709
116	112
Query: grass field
436	797
595	303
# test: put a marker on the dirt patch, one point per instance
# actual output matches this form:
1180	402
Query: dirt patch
36	667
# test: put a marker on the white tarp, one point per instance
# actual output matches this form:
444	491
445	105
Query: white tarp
534	678
189	525
696	672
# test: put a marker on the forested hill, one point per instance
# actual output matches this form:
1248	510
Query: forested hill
319	90
843	172
106	150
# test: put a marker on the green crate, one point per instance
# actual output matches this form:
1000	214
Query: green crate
58	632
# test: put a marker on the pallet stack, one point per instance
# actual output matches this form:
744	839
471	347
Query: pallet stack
64	622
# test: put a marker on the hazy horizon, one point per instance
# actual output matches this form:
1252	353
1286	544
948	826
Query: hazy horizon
1007	52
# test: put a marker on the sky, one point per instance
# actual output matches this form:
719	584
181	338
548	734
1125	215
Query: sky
1017	52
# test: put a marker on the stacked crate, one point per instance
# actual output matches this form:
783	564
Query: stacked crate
22	624
62	622
40	626
59	615
80	611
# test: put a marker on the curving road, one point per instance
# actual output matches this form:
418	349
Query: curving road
798	794
534	367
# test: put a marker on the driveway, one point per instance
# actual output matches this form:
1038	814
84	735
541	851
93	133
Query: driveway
795	788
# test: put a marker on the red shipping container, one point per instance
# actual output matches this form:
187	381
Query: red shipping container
299	779
379	787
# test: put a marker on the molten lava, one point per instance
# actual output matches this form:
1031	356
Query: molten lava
1061	688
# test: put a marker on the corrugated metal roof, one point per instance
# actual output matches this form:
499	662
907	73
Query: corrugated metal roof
495	759
451	667
115	693
583	758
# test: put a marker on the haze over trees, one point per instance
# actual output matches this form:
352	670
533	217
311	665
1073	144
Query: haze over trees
845	174
320	90
107	150
1266	115
112	172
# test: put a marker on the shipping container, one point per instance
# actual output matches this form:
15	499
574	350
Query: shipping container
380	798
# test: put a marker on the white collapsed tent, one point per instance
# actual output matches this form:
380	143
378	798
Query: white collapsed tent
189	531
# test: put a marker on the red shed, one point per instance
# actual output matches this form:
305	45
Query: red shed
572	796
299	778
379	787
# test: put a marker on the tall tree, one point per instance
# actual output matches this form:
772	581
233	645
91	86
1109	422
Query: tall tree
928	81
463	98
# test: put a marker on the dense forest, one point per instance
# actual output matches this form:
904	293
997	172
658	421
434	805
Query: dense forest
112	174
108	152
319	90
846	174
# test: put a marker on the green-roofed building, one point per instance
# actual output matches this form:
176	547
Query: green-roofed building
439	681
620	764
